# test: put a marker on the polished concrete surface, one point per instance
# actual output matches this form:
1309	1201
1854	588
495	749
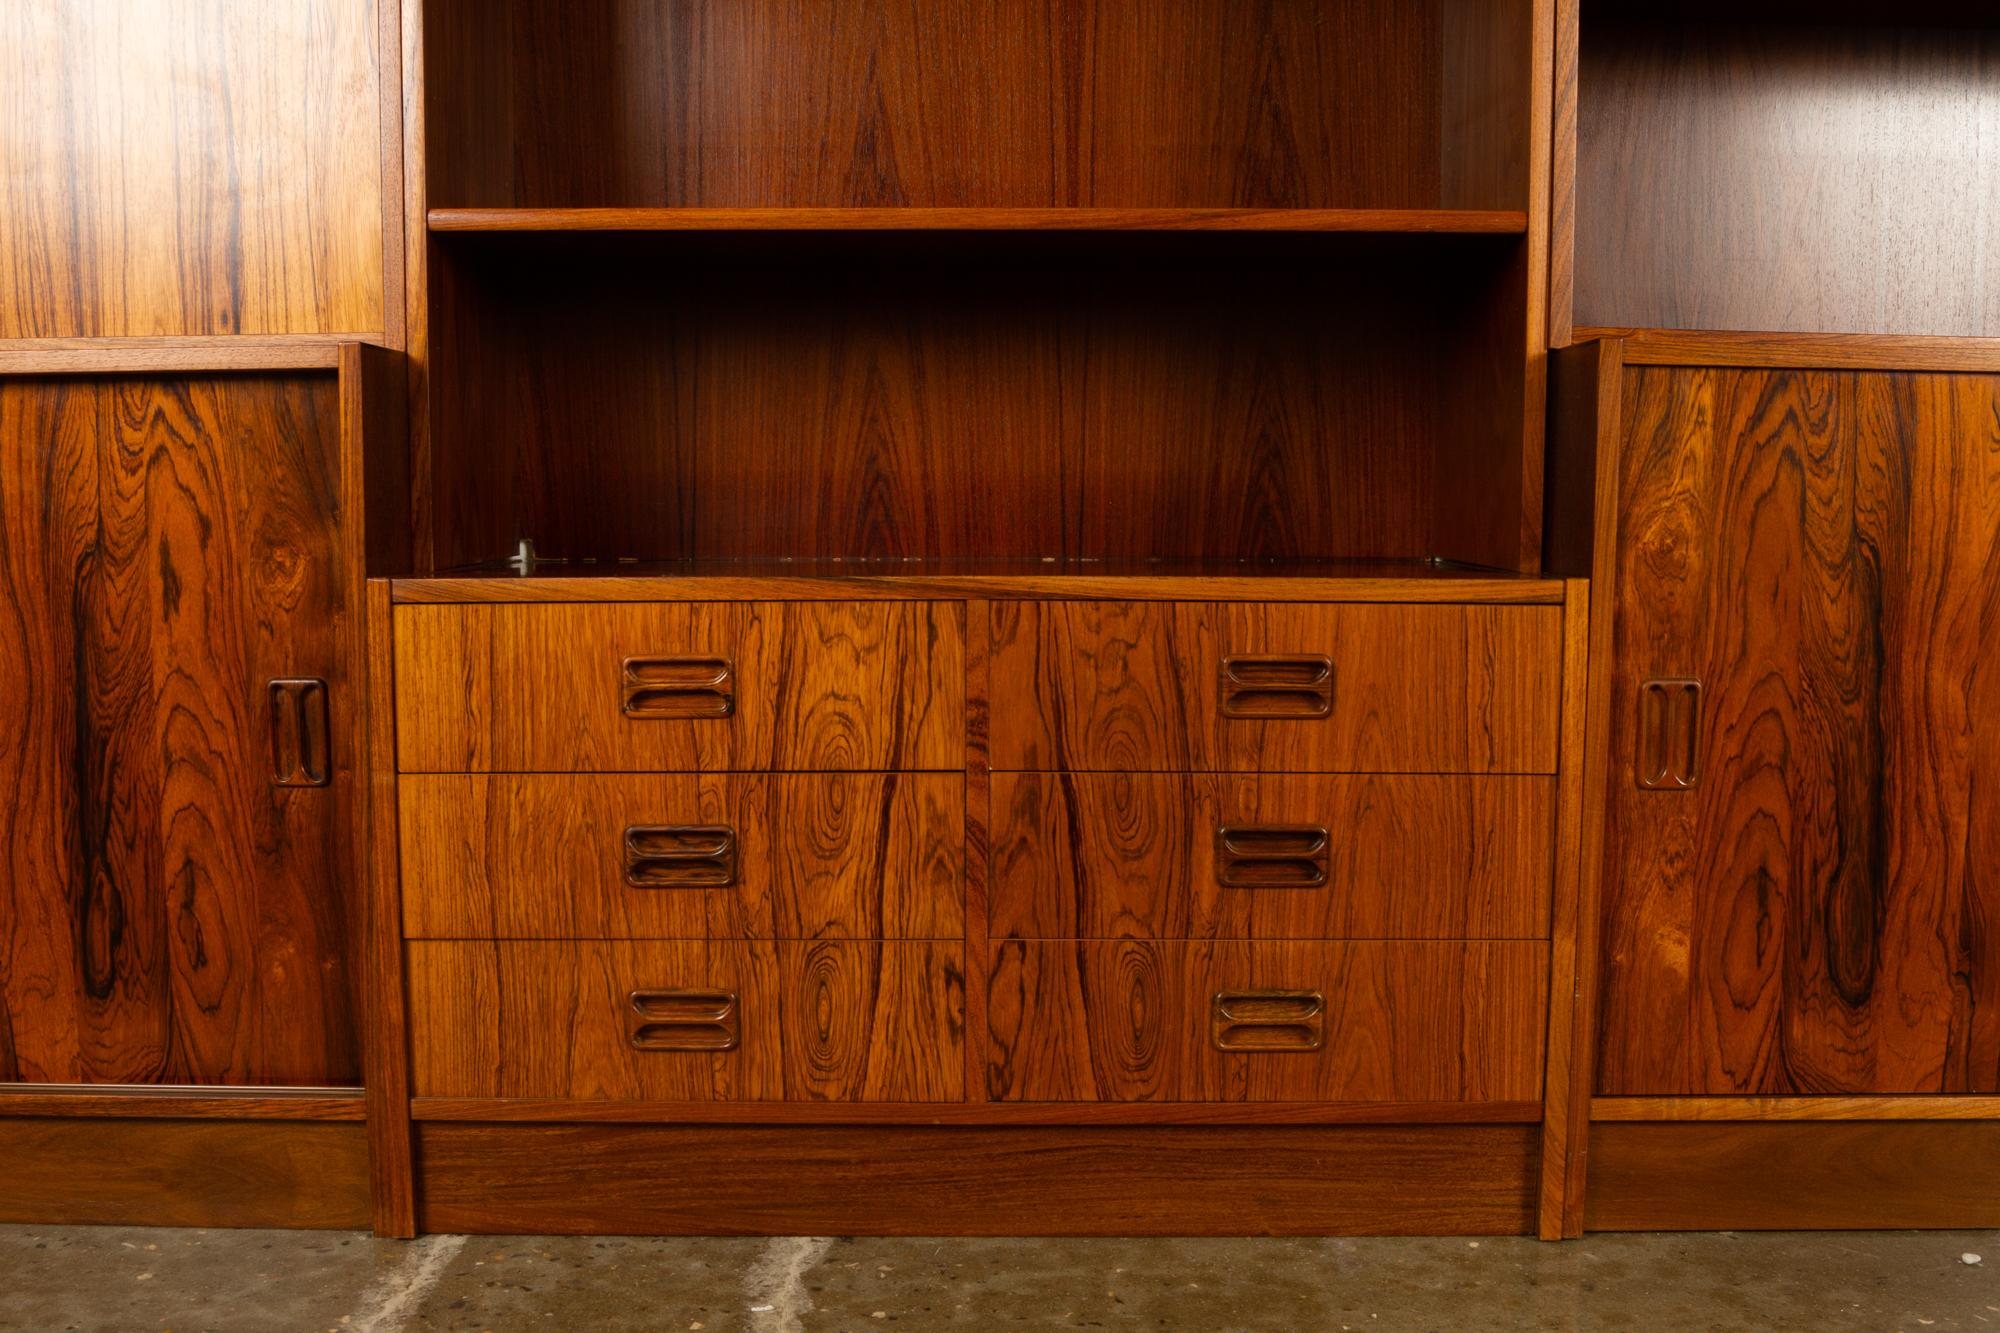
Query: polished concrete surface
83	1278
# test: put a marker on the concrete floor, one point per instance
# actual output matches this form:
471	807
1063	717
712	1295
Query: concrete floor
83	1278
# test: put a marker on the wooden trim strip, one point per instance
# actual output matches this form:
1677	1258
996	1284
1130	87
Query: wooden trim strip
1566	1082
1803	351
384	1011
1928	1107
514	1109
724	587
173	356
1457	221
147	1101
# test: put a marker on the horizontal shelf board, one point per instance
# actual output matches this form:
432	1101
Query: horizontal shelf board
842	580
1801	351
1409	221
497	1110
156	1102
1937	1106
139	356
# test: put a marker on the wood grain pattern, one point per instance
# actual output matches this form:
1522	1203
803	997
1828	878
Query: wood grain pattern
820	1021
752	397
151	1101
1043	580
171	545
967	103
1427	220
1133	855
1131	686
820	856
184	167
1816	916
1803	351
166	356
818	686
953	1181
1814	177
529	1110
1795	1108
183	1173
384	994
1129	1021
1793	1177
1569	1075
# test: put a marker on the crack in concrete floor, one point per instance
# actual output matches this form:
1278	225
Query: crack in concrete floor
110	1278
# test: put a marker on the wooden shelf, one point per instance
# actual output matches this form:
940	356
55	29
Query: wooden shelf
1371	221
1141	580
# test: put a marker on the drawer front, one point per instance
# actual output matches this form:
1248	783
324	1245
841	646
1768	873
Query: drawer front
665	1021
1245	687
683	856
1378	1020
741	686
1296	856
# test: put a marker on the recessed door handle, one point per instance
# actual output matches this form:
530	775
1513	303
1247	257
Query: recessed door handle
1669	736
300	748
1268	1020
1271	856
655	688
680	856
1277	687
683	1020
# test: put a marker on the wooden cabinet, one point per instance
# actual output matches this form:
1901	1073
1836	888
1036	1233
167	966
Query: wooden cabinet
726	685
683	856
1363	1021
180	565
1270	856
796	1020
1246	687
1803	792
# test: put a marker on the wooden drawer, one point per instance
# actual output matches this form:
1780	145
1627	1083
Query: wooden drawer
683	856
680	686
1120	1020
1172	686
1297	856
792	1021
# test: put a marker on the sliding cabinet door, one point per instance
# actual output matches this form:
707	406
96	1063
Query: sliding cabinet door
1803	851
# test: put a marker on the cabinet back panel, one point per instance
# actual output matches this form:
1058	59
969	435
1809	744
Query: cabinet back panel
978	103
624	399
1804	178
168	915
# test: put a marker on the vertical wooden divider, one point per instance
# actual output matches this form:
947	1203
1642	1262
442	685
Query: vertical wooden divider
385	1051
1566	1099
978	810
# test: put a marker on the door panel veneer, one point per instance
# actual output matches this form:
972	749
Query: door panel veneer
836	686
1081	1020
816	856
841	1021
167	914
1815	914
1136	854
1136	686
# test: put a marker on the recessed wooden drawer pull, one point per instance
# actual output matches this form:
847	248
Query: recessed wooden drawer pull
1277	687
1669	736
1270	856
679	687
1268	1020
299	733
683	1020
680	856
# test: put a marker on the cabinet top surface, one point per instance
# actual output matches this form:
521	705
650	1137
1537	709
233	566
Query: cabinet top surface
847	580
